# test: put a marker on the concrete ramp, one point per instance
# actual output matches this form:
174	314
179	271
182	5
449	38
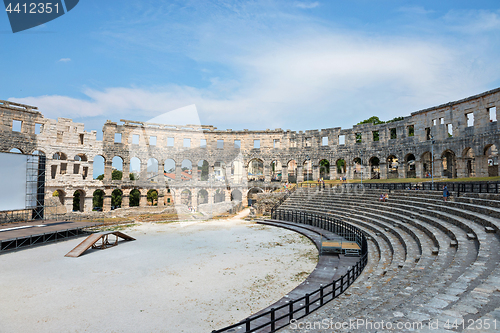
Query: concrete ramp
93	241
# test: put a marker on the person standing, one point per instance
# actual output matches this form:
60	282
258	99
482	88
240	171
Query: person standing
446	193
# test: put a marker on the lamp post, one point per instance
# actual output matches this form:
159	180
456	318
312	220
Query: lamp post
308	159
211	179
361	162
432	159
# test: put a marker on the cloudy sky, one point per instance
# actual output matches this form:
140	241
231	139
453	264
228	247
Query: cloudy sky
253	64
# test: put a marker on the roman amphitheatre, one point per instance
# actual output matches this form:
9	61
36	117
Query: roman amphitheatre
313	256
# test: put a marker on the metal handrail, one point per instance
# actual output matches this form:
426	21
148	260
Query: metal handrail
322	295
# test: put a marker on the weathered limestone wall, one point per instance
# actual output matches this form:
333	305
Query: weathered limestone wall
403	149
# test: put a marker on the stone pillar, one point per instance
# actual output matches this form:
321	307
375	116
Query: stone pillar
68	199
284	174
438	168
143	201
245	173
107	170
106	207
125	198
126	171
383	170
87	206
144	171
482	165
227	174
333	172
461	168
300	173
419	170
267	173
161	196
227	195
178	171
402	170
315	171
194	197
161	176
349	172
244	198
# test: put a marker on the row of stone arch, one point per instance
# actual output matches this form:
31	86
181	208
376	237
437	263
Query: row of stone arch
256	169
141	197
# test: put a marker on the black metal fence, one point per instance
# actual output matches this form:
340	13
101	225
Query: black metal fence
459	187
281	316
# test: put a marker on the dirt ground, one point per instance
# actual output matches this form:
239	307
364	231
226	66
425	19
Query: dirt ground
176	277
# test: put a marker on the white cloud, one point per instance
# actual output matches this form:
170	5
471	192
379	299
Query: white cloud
307	78
65	60
306	5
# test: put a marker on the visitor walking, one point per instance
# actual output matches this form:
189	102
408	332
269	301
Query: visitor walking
446	193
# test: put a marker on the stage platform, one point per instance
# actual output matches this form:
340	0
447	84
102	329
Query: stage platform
19	235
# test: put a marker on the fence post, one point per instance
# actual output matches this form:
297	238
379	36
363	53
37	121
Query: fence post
273	326
307	304
247	325
290	310
321	295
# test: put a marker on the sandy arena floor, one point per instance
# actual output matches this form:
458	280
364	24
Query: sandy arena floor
178	277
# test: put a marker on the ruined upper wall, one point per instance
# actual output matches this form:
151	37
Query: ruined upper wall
162	140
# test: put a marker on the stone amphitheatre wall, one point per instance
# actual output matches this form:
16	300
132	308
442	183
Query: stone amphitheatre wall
462	148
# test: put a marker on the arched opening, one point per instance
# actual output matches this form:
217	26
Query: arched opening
236	195
426	164
292	171
117	166
252	195
98	200
392	167
186	197
98	165
78	201
61	156
16	151
449	163
116	199
152	197
169	169
202	197
374	167
60	195
340	163
203	170
135	168
81	158
491	153
324	169
134	198
411	171
219	195
186	170
220	171
307	170
237	171
276	170
152	170
469	161
357	165
256	170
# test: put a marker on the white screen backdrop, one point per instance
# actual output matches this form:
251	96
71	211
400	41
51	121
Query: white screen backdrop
13	182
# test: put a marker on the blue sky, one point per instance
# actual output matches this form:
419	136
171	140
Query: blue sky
253	64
